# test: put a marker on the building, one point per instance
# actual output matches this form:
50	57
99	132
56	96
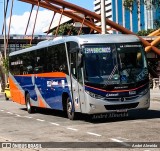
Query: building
141	17
66	20
17	42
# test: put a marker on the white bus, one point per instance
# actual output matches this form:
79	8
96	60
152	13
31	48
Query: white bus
89	74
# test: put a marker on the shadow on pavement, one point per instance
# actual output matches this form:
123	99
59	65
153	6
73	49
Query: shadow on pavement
132	115
51	112
104	118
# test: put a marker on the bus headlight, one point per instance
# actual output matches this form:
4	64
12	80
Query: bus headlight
95	95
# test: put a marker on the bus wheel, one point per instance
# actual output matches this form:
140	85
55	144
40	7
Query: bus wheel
71	114
6	97
30	108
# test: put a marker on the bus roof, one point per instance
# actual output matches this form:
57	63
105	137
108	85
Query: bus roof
83	39
106	38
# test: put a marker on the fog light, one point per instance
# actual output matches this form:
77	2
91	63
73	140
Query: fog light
93	106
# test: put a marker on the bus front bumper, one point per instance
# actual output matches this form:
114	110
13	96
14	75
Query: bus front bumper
96	106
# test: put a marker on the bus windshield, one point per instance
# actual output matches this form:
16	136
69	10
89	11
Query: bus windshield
114	63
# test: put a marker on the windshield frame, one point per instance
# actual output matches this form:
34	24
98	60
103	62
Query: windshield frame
117	62
110	51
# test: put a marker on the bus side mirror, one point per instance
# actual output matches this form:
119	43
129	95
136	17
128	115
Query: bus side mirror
76	49
80	60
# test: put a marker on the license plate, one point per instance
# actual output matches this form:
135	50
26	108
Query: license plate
122	110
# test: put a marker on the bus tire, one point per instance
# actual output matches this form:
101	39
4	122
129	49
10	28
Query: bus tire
71	114
30	109
6	97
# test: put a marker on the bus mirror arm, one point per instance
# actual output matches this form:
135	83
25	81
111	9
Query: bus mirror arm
76	49
80	60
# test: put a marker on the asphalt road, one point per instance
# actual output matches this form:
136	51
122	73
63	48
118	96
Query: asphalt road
106	131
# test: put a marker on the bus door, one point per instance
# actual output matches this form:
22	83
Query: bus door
76	83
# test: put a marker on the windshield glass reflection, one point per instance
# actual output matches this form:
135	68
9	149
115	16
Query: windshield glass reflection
114	63
132	63
101	64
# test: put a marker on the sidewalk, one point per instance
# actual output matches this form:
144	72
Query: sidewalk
1	94
155	94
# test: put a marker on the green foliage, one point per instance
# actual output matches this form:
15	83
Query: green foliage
128	4
157	23
66	29
155	3
145	32
26	46
6	64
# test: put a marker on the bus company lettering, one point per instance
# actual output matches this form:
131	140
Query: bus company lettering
98	50
112	94
51	83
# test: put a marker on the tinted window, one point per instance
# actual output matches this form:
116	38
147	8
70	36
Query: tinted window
16	65
51	59
56	59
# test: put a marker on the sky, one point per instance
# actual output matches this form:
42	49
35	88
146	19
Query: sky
21	12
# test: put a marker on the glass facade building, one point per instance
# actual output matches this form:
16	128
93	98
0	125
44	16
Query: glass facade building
141	17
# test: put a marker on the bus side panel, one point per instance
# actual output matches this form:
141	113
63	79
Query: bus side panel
27	84
45	89
51	86
17	94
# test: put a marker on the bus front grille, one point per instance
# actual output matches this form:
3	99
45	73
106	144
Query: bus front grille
130	98
121	106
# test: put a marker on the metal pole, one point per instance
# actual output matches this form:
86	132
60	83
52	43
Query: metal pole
103	17
35	22
6	7
5	48
51	23
59	22
81	25
10	20
4	30
29	19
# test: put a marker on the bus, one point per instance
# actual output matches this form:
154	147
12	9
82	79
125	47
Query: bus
89	74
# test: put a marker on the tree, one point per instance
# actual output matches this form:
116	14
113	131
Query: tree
157	23
26	46
4	70
6	64
145	32
66	29
128	4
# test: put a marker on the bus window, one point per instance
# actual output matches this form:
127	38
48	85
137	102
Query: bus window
29	69
28	62
39	62
16	65
73	57
56	59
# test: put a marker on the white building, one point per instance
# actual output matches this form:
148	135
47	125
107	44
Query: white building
108	7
